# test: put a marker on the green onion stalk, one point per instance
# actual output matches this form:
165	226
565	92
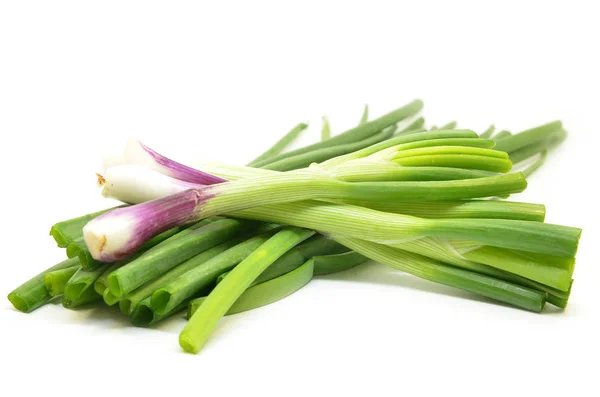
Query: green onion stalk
90	284
329	256
501	134
280	145
414	127
175	237
439	272
173	251
205	273
488	132
129	302
358	133
188	279
220	300
33	293
170	293
529	143
56	280
267	292
305	159
80	287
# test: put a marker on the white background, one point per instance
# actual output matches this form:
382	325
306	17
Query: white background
222	82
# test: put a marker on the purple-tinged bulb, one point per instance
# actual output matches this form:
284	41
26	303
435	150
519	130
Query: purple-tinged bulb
119	233
138	153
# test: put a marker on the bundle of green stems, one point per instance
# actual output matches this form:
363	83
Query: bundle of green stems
234	258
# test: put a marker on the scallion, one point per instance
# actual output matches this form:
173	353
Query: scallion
280	145
172	252
358	133
265	293
33	293
129	302
200	276
56	280
218	302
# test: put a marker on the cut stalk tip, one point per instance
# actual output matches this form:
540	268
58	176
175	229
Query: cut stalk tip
18	302
187	344
114	286
160	300
142	316
125	306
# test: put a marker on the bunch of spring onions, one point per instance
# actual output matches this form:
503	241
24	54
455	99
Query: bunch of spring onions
218	239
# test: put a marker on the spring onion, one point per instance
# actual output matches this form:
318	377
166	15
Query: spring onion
144	314
387	228
423	151
265	293
449	126
318	246
488	132
171	252
121	232
202	275
420	151
536	164
526	269
494	209
405	199
305	159
501	135
327	264
541	146
560	301
56	280
33	293
280	145
87	296
76	290
129	302
432	270
414	127
218	302
552	271
527	137
382	152
358	133
101	283
109	298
